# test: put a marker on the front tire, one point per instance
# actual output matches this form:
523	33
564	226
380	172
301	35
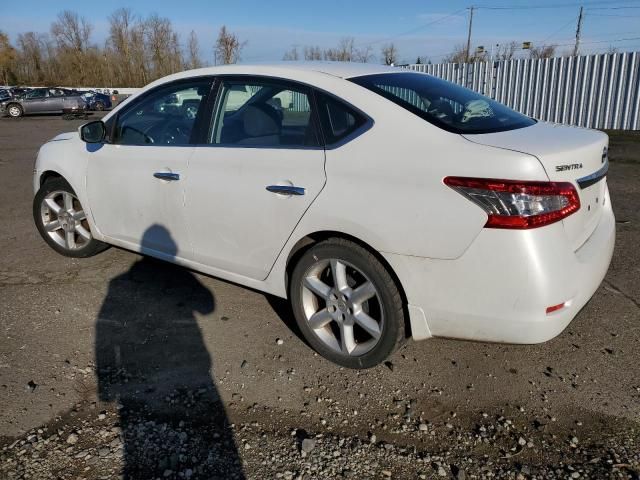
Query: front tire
346	304
62	222
99	106
14	110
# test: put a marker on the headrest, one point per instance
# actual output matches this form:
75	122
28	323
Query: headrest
258	122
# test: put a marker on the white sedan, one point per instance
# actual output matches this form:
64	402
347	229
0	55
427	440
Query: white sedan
384	203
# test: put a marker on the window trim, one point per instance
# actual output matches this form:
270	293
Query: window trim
366	126
197	126
263	79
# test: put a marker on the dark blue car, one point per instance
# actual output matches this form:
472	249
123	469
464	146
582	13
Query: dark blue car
97	101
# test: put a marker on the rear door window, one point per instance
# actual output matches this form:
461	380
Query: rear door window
264	114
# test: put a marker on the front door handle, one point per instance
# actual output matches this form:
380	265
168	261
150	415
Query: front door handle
167	176
286	189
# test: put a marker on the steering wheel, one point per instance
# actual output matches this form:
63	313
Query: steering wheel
174	134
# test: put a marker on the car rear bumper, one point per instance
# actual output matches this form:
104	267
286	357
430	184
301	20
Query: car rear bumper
500	288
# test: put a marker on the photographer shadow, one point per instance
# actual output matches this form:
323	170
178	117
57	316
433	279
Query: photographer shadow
152	361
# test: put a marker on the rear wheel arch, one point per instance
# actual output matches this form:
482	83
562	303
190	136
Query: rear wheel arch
311	239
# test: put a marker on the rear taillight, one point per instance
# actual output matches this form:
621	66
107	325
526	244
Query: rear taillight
518	204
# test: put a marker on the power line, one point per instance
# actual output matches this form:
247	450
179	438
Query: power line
440	55
612	15
612	8
556	32
413	30
541	7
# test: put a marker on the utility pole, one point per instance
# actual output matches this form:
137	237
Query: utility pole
469	34
578	32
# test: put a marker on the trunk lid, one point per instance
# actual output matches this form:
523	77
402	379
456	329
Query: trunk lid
568	154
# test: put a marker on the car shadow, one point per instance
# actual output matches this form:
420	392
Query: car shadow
282	308
152	362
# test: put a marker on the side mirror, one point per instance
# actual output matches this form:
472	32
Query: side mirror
93	132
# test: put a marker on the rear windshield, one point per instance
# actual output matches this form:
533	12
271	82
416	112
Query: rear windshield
444	104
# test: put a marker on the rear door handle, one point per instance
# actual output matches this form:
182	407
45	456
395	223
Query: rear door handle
167	176
286	189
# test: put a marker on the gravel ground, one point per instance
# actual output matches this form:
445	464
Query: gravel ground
124	367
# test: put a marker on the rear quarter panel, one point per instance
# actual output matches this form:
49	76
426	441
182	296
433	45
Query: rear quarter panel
386	186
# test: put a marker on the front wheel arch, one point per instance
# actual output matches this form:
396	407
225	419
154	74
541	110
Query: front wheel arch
49	174
311	239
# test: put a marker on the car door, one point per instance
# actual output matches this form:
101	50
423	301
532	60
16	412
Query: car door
137	180
262	167
54	100
34	101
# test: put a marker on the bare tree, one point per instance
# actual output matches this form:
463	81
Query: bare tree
7	57
389	54
72	34
163	46
458	55
506	51
228	47
544	51
312	53
291	55
363	54
193	46
121	47
31	57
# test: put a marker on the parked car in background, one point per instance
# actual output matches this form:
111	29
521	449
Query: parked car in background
97	101
383	203
18	91
43	100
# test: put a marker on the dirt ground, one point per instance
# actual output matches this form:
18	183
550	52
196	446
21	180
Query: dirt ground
213	382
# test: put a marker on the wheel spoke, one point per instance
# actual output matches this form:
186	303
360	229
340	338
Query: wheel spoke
368	324
70	239
79	215
83	232
320	319
52	205
53	226
339	272
363	293
347	340
68	201
317	286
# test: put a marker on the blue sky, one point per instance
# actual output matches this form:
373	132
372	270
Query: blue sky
417	27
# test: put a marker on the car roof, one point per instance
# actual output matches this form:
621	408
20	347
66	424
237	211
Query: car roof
337	69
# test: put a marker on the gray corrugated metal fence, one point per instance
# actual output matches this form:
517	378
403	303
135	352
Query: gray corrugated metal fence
595	91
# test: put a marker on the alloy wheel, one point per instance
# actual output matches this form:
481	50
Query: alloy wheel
64	220
14	111
342	307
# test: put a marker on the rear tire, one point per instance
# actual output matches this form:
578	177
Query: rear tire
14	110
62	222
99	106
346	304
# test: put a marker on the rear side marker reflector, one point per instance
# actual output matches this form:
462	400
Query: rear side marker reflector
518	204
555	308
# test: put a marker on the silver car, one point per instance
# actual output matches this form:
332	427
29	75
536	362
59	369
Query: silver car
43	100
